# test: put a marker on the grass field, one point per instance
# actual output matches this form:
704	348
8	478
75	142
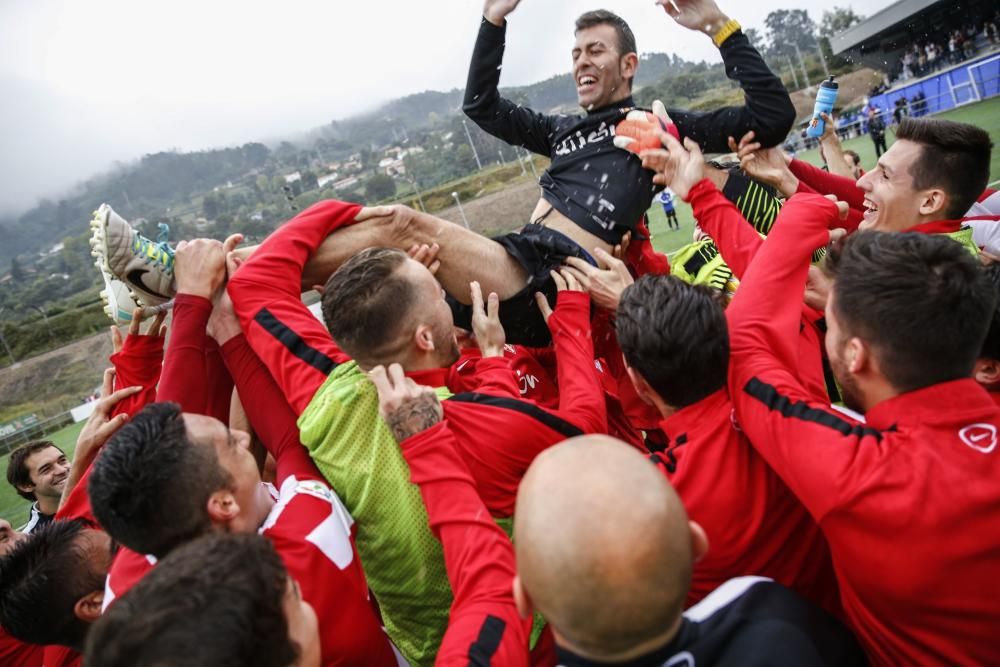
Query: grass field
13	507
984	114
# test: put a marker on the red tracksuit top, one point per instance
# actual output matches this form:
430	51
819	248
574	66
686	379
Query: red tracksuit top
908	501
738	243
755	525
484	626
308	526
499	434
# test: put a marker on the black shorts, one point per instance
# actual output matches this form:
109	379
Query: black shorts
538	250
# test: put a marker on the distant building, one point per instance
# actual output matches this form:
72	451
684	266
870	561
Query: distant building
346	183
292	177
328	178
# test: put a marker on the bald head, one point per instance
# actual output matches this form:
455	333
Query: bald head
603	546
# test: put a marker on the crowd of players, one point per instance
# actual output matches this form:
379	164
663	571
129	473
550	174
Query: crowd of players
553	447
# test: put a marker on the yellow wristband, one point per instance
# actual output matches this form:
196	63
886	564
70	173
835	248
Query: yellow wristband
727	29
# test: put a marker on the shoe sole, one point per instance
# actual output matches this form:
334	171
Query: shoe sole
99	250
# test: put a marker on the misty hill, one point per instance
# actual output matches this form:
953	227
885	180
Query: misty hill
160	185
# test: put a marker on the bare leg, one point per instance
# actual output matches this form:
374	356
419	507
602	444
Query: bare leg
465	255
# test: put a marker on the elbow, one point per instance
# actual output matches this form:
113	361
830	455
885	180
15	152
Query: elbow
777	125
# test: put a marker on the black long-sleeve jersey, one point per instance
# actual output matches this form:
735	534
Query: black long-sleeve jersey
747	622
601	188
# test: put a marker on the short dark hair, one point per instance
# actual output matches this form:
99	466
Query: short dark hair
922	301
44	577
853	154
626	40
955	157
675	336
991	346
625	37
150	485
18	474
366	302
215	601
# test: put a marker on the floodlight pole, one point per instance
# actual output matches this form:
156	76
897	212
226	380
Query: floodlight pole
460	209
475	153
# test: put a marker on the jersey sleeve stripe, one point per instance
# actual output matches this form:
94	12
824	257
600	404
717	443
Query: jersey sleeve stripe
490	635
775	401
528	409
291	340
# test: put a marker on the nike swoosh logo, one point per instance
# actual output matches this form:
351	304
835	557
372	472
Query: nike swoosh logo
977	438
135	277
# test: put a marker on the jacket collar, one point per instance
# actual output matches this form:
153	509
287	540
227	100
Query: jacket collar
937	404
703	414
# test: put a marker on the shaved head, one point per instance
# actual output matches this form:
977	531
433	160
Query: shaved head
604	548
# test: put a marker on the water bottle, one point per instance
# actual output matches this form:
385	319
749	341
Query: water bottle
825	97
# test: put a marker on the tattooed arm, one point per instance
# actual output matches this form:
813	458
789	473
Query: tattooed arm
408	408
478	555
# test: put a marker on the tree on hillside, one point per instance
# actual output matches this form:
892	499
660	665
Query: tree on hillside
787	28
210	207
838	20
309	180
379	187
834	22
16	272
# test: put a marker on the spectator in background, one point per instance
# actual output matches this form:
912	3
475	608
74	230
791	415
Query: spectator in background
876	128
38	472
854	162
667	199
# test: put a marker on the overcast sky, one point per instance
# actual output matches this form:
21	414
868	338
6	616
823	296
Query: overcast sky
84	83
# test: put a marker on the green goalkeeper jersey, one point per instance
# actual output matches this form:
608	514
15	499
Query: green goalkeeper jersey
403	561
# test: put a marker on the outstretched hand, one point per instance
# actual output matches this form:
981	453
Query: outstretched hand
100	425
408	408
496	11
157	328
685	166
565	281
701	15
426	255
490	335
605	284
767	165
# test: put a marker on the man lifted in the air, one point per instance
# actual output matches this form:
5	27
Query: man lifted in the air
592	193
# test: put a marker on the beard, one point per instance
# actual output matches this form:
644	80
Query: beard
444	340
848	387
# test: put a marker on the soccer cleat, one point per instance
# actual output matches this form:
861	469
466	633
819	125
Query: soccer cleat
119	304
146	268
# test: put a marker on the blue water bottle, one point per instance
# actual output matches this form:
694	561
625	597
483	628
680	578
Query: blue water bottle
825	97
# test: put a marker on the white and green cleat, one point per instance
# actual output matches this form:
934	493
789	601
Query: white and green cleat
124	256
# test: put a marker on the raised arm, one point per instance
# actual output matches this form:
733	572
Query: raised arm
294	345
581	396
814	449
478	556
768	109
483	103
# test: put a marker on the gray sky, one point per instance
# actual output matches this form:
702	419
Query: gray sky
85	83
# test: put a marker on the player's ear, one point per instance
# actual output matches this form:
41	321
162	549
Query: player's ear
932	201
88	608
222	506
423	338
699	541
986	371
858	356
629	64
525	607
